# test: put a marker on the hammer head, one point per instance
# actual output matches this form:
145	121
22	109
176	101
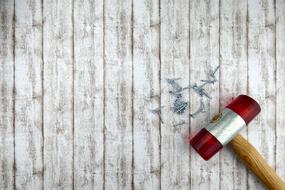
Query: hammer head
224	126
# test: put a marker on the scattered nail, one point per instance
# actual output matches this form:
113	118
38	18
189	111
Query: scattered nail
158	112
179	106
176	94
209	81
212	76
200	90
201	109
179	124
214	72
176	87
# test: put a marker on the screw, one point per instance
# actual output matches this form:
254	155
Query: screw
216	69
200	90
201	109
209	81
176	94
212	76
158	112
179	106
180	123
176	87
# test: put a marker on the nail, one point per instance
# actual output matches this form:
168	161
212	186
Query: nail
179	106
158	112
176	87
201	109
180	123
200	90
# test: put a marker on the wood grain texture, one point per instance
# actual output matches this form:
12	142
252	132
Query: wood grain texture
256	163
88	93
280	87
76	79
175	159
233	81
28	96
204	53
58	97
261	79
118	94
6	94
146	81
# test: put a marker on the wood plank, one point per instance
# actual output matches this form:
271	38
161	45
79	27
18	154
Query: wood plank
146	76
233	81
204	53
118	94
88	95
28	97
261	79
175	158
58	97
280	87
6	94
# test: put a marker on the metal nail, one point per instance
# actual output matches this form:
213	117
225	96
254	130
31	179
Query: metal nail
200	90
158	112
175	94
179	106
176	87
201	109
180	123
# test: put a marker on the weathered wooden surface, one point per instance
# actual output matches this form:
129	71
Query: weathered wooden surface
58	87
28	95
88	101
146	82
7	146
204	55
280	87
233	61
118	102
261	79
174	35
77	77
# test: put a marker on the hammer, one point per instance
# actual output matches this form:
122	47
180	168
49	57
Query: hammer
224	129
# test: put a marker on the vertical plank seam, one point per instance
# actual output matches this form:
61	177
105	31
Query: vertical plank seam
132	50
159	73
219	83
190	102
275	78
189	98
247	76
14	93
189	91
104	100
73	66
42	73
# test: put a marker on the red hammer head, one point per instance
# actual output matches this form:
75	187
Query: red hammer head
225	126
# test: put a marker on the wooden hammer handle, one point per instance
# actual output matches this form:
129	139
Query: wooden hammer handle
256	163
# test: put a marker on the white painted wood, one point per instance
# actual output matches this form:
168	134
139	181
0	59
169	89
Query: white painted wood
261	79
58	94
233	81
146	81
84	73
204	53
175	159
118	94
88	95
28	96
280	88
6	94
